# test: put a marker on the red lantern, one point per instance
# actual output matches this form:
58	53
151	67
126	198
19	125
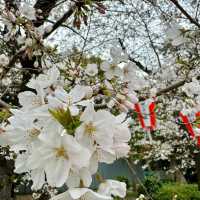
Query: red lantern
146	114
188	125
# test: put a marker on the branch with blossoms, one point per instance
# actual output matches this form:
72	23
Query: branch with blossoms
74	114
139	64
64	135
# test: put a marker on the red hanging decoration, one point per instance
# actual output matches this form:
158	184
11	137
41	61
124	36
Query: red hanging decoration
139	113
187	124
198	117
189	127
147	119
198	141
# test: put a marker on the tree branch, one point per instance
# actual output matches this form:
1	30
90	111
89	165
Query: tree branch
185	13
45	6
166	90
11	4
3	104
171	87
11	63
72	29
60	21
139	64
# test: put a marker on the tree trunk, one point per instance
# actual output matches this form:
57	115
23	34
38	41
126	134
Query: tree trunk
178	175
198	169
6	169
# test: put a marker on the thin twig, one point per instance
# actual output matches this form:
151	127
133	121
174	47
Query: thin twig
171	87
185	13
139	64
138	179
72	29
60	21
4	104
11	63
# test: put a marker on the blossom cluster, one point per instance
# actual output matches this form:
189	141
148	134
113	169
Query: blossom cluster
61	132
59	136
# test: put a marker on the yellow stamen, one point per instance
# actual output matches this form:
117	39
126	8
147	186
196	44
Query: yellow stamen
90	128
37	101
34	132
69	101
113	66
61	152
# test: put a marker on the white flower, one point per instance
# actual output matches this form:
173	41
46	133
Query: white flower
88	91
104	135
111	69
118	55
129	71
30	100
192	88
141	197
91	69
130	75
4	60
44	81
48	29
6	81
113	187
132	96
121	138
175	35
58	154
27	11
96	127
168	74
3	138
29	42
81	177
38	178
64	100
22	132
81	193
21	39
137	83
37	175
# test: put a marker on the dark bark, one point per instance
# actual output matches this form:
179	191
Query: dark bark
198	169
11	4
185	13
6	171
45	6
6	167
139	64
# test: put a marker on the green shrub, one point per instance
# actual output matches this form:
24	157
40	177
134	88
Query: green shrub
152	184
182	191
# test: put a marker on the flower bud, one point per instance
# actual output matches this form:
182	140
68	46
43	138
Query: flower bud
123	108
133	98
88	92
128	104
121	97
111	103
29	42
12	17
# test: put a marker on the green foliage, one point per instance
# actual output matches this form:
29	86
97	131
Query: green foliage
181	191
152	185
4	114
64	117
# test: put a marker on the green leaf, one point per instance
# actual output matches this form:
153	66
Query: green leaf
65	118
